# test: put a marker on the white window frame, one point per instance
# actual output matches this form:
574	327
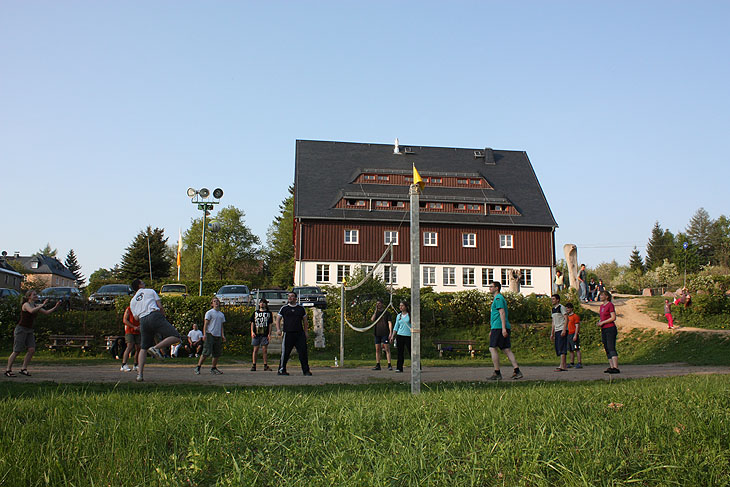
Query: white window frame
526	277
389	271
388	237
352	236
487	276
343	270
366	268
429	276
449	276
468	276
504	276
466	240
323	273
506	241
430	239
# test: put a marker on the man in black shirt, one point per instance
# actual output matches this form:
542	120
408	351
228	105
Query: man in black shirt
296	332
383	329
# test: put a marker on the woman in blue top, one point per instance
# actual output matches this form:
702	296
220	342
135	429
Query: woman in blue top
402	331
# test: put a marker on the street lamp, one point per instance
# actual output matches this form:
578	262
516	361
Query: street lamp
200	197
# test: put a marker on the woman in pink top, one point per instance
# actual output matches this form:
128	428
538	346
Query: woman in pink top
607	322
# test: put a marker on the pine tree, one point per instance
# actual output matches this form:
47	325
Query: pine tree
136	259
659	247
699	233
73	265
280	244
635	262
48	251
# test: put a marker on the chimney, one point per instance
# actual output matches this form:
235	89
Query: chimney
396	149
16	254
488	156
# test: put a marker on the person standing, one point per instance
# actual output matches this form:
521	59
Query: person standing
146	307
668	313
213	336
559	281
24	336
261	321
558	331
291	322
573	338
607	322
582	289
195	341
383	330
499	337
131	338
402	333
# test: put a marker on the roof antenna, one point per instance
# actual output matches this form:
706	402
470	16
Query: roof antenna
396	149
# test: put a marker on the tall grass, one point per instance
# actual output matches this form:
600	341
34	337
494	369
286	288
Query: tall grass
645	432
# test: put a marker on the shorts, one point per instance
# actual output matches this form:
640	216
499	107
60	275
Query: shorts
608	337
497	340
23	338
213	345
381	339
152	324
561	343
573	345
260	341
132	338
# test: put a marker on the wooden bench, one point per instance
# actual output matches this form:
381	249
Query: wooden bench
469	346
84	342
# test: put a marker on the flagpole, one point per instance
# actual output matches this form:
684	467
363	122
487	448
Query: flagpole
414	193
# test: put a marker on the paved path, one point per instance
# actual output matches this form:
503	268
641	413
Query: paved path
236	375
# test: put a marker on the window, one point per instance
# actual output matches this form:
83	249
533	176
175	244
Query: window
468	239
398	204
473	207
449	276
487	276
505	241
505	277
429	276
409	179
369	177
475	181
360	203
460	206
382	204
468	276
430	239
436	180
351	236
366	269
342	272
323	273
383	178
526	279
391	236
497	207
436	206
462	181
390	274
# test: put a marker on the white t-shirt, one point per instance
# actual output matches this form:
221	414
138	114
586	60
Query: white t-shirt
144	302
215	322
559	318
195	335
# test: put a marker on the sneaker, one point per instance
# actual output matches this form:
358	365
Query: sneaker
570	366
377	367
135	368
308	373
139	378
390	367
282	372
215	371
398	371
496	376
253	368
517	375
608	370
156	353
266	367
614	371
579	366
197	370
125	368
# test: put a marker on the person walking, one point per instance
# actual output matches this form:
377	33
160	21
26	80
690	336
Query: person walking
146	307
213	337
499	337
402	333
261	321
668	313
132	339
291	322
383	330
24	336
607	322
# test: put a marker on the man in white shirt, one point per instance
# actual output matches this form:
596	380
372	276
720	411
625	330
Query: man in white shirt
213	336
195	340
146	306
559	331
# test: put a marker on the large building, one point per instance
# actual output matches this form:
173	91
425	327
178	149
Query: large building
483	213
44	270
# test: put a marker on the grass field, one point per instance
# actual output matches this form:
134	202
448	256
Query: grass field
642	432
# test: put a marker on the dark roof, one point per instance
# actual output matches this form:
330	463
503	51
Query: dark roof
46	265
324	172
8	269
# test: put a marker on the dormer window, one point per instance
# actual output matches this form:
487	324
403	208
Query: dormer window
369	177
473	207
497	207
382	204
462	181
475	181
460	206
435	206
383	178
436	180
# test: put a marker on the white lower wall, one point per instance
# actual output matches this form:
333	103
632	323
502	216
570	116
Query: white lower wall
305	274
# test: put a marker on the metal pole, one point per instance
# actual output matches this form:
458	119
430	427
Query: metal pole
149	256
202	251
342	325
685	269
415	292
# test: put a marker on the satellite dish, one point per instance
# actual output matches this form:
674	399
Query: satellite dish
217	193
191	192
204	192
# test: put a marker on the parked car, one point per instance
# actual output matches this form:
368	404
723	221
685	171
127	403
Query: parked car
174	290
276	298
311	296
70	297
106	295
8	293
234	294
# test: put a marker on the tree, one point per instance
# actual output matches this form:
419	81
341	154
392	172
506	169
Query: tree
230	253
280	244
720	241
48	251
635	262
690	256
660	246
136	259
73	265
699	233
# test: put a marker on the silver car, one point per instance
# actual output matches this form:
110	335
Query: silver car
276	298
234	294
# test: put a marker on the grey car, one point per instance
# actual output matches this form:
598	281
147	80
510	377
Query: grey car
276	298
234	294
106	295
311	296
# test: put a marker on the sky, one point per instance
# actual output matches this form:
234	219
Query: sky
109	111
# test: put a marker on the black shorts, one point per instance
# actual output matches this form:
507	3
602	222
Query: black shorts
561	343
497	340
381	339
608	337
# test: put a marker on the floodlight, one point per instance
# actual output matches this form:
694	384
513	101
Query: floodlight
191	192
217	193
204	192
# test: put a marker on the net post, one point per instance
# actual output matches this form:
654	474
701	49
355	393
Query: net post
415	291
342	325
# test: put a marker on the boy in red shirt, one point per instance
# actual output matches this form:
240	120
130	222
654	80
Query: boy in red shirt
132	338
573	340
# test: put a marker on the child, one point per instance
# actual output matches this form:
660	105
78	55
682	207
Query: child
261	320
573	340
558	333
213	336
668	313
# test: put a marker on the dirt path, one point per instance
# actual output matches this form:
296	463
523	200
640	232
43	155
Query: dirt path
629	315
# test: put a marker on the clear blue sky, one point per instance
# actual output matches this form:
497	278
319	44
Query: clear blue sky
109	111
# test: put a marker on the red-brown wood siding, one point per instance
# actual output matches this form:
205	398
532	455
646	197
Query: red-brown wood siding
324	241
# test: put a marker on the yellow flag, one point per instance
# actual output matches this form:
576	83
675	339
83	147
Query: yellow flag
179	245
417	178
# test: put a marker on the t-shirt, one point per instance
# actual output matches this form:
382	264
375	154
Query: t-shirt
558	313
559	280
573	320
499	303
144	302
293	317
195	335
667	308
215	321
605	313
128	316
261	322
381	326
402	325
582	275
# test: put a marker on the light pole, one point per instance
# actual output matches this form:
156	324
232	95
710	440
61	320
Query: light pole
201	198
